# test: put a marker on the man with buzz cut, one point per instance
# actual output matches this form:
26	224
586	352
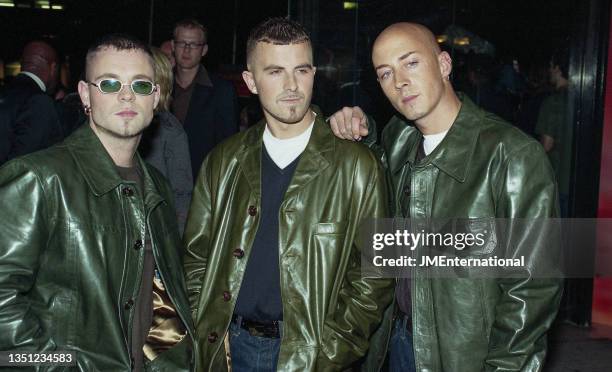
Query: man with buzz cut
447	158
90	253
273	265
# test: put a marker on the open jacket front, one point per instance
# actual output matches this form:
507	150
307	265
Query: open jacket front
483	169
69	270
329	310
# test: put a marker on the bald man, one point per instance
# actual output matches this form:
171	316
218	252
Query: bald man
447	158
27	112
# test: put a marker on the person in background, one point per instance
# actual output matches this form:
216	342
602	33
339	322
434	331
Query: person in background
28	118
166	48
554	126
164	144
205	104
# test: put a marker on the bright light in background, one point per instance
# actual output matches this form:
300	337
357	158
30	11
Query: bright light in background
7	3
42	4
462	41
12	68
441	38
57	7
350	5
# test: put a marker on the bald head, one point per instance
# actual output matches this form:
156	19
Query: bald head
414	75
40	59
416	32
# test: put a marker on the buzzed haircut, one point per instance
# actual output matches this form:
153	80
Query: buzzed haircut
118	42
277	31
190	23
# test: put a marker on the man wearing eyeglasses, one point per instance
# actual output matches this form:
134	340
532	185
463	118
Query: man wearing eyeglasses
90	264
204	103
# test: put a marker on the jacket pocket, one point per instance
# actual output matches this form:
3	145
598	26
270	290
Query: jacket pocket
336	228
484	232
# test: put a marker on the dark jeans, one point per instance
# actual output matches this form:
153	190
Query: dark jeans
253	353
401	353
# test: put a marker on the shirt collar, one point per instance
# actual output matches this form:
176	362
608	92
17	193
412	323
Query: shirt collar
36	79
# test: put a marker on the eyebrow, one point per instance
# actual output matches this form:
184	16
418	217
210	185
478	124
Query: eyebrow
114	76
401	58
276	67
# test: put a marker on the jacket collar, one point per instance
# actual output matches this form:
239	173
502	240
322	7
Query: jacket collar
317	156
454	154
98	168
36	79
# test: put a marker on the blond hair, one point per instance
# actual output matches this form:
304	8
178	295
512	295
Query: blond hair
163	77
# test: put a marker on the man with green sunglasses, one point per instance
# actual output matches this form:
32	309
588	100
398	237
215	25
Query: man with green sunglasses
90	265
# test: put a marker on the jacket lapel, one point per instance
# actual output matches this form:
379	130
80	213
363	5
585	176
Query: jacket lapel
249	156
454	154
94	163
317	156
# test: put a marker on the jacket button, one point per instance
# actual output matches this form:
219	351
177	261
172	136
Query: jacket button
138	244
127	191
227	296
128	304
238	253
212	337
252	210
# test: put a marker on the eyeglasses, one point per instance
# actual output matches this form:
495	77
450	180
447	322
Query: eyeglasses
140	87
184	44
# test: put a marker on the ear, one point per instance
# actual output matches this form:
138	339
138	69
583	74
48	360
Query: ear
446	64
83	89
157	95
204	49
247	76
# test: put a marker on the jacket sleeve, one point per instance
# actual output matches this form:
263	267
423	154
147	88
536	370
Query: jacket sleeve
197	237
528	305
37	126
23	236
361	300
180	174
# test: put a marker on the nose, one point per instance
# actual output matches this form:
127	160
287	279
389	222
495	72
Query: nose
126	93
290	82
401	79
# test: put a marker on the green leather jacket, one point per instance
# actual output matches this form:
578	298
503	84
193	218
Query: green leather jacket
68	264
329	310
484	168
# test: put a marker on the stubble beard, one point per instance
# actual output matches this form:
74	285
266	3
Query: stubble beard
126	134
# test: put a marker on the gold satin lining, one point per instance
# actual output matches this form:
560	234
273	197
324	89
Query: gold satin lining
167	329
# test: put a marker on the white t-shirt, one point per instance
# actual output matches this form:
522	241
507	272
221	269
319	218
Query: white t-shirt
431	141
284	151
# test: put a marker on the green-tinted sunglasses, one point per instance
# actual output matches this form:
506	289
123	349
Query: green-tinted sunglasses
140	87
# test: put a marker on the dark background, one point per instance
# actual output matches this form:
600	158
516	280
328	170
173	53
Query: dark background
528	30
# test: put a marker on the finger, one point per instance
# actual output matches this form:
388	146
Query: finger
347	122
355	124
333	123
363	127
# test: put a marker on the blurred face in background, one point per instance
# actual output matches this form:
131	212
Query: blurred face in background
189	47
166	48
